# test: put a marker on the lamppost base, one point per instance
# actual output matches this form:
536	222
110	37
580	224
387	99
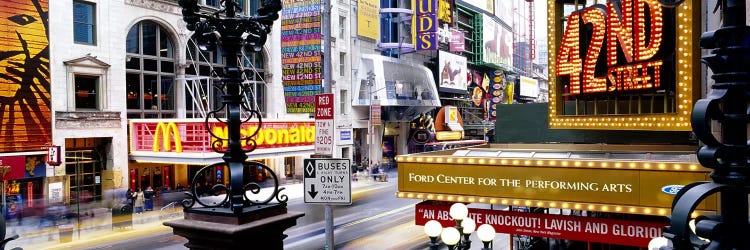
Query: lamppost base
254	229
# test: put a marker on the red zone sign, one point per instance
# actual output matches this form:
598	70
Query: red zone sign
610	231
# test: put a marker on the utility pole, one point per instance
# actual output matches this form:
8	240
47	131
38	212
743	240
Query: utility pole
327	88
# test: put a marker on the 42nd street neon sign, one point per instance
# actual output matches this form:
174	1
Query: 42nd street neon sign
630	36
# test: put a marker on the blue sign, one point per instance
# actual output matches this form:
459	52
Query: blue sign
671	189
345	135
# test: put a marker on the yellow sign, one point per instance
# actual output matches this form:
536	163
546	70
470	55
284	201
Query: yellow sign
166	129
449	135
368	19
285	136
626	187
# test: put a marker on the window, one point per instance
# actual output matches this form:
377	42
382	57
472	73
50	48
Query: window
84	28
214	3
342	26
149	77
86	88
343	97
342	64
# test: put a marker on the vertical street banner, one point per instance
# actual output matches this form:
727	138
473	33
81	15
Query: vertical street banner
301	55
426	25
368	19
324	130
25	114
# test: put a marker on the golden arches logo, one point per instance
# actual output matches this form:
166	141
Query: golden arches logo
166	129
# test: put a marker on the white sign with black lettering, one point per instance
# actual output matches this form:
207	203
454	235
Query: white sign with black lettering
328	181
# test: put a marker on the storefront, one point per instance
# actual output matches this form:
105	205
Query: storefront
167	154
23	180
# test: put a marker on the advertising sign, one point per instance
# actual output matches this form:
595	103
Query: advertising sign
529	87
55	192
457	43
427	25
345	136
498	43
375	109
445	11
610	231
641	64
453	71
328	181
368	19
487	5
324	130
301	56
527	180
504	10
53	155
24	76
12	167
165	135
628	48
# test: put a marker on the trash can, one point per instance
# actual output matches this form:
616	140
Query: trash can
66	233
122	215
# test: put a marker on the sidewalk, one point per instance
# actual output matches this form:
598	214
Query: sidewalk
97	229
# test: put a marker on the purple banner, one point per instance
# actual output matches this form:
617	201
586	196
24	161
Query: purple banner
427	25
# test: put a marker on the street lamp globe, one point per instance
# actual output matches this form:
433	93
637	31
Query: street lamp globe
433	228
659	242
450	236
458	211
468	225
486	233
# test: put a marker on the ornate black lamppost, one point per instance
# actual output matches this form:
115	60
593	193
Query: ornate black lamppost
233	220
728	155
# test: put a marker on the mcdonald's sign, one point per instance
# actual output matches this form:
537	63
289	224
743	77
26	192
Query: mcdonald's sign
166	129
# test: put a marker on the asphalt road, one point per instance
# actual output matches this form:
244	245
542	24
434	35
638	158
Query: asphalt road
375	220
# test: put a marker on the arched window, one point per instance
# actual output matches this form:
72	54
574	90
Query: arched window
199	69
150	72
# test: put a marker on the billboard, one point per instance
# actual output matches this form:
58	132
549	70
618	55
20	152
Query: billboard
25	114
498	43
301	55
529	87
368	19
624	50
487	5
504	10
453	71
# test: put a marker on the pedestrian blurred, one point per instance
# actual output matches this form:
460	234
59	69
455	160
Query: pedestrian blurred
139	201
149	201
375	171
129	196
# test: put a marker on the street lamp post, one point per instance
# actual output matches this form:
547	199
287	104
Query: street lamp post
727	155
234	220
452	236
370	126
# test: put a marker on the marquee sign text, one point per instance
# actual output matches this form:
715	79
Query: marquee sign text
630	38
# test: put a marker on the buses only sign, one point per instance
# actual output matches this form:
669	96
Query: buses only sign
324	130
328	181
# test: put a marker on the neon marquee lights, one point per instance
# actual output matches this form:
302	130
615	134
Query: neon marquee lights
631	32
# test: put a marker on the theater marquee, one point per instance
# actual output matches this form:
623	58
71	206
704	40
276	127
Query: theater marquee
623	65
634	187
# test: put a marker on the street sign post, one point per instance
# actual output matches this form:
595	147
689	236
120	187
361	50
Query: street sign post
328	181
324	130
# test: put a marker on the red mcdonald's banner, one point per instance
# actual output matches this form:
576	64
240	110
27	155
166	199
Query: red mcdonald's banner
610	231
165	135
